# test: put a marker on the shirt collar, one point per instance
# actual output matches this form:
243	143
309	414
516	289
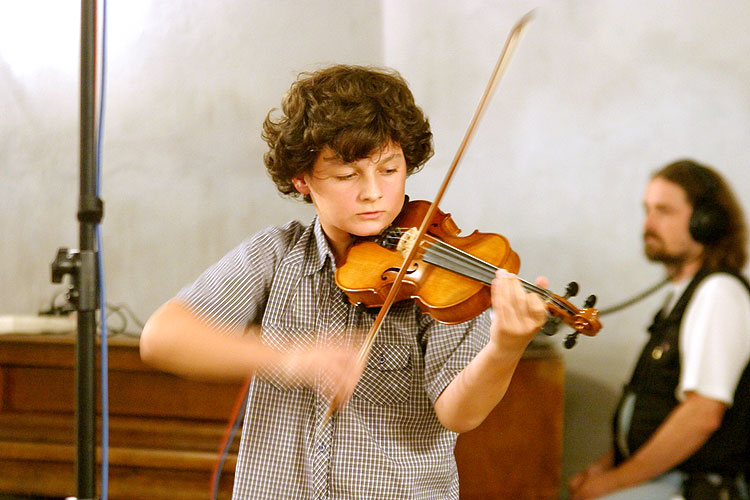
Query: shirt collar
317	249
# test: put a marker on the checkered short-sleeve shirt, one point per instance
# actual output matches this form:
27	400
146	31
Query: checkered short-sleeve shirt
387	442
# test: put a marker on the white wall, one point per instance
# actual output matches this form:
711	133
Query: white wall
189	84
598	95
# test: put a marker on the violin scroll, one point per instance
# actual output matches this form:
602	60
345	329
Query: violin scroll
584	320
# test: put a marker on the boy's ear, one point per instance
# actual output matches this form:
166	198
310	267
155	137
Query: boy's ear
300	184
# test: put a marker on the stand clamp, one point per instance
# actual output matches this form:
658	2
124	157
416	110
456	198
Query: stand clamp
81	266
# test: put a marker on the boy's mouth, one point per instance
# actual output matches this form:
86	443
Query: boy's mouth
370	215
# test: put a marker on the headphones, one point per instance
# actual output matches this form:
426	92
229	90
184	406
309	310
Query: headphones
709	221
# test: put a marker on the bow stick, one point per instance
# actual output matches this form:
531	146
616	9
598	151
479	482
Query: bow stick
502	62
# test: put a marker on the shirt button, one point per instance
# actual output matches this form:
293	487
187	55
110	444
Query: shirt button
322	447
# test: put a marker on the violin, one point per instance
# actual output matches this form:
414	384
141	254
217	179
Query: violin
450	276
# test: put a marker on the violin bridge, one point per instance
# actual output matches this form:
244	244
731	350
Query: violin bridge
406	242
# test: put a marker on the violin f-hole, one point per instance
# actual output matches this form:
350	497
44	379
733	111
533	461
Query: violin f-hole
413	269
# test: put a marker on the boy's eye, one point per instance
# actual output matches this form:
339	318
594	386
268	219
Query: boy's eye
346	177
389	170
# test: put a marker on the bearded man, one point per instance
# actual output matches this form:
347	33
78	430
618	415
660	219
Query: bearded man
681	427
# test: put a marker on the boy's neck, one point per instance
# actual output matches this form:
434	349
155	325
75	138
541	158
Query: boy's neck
339	248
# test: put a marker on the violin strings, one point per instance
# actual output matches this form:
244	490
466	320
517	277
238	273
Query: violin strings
453	259
453	255
459	257
441	254
444	258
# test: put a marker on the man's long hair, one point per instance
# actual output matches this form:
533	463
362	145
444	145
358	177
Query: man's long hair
703	185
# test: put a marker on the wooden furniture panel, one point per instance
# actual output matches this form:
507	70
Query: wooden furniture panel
165	431
516	453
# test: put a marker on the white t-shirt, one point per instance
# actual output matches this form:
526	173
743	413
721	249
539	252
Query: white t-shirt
714	338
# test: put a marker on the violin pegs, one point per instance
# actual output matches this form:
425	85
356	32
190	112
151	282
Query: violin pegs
590	301
551	326
570	340
571	290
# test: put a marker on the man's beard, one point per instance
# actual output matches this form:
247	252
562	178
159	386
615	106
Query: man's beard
656	253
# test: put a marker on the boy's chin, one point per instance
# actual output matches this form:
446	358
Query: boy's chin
365	232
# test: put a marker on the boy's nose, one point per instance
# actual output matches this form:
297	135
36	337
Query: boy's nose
370	189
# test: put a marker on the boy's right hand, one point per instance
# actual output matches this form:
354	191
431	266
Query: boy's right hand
332	371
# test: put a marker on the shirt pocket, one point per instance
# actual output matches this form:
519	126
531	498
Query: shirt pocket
387	378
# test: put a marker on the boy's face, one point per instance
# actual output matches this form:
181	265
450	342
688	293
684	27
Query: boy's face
360	198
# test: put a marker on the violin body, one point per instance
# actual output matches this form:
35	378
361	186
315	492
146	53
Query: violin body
370	268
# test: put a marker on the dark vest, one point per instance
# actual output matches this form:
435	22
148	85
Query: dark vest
655	380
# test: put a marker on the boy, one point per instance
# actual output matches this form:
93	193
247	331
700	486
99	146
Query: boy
346	140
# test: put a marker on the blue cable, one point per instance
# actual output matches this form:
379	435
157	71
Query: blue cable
100	266
104	369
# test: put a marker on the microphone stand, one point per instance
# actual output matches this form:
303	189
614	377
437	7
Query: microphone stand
81	264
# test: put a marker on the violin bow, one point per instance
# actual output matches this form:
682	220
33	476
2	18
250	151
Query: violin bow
502	63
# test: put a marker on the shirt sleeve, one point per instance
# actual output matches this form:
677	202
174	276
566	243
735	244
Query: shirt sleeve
715	339
449	348
233	292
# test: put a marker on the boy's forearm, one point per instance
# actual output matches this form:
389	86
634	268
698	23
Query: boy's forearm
175	340
472	395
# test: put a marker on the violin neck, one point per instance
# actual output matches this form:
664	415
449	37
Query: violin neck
456	260
445	256
440	254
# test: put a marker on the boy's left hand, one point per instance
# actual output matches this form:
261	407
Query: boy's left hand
518	315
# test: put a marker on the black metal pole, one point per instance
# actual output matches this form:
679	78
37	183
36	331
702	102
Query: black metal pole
89	216
81	264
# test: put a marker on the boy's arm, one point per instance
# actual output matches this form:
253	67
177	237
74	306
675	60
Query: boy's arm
176	340
476	390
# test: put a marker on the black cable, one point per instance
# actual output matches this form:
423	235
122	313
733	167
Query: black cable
635	299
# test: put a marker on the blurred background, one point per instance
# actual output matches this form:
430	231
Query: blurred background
599	94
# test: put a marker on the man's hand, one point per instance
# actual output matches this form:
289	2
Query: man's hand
593	481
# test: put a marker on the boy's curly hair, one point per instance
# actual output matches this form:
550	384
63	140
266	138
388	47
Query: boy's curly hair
354	110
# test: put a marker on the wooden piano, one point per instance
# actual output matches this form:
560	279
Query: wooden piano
165	431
